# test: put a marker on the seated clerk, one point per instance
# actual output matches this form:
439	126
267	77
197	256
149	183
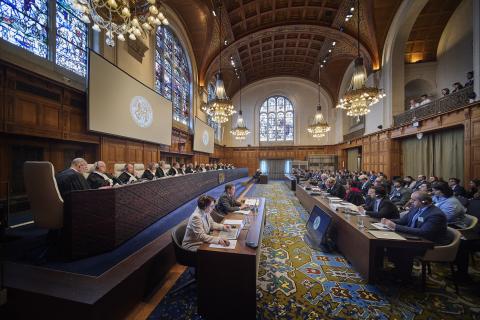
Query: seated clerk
72	179
423	220
127	175
354	195
200	224
174	170
149	173
444	200
334	188
381	207
100	178
161	170
227	202
399	194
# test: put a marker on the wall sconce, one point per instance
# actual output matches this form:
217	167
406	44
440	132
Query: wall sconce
420	135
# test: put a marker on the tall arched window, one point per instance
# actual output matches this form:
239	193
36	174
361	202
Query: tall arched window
172	73
276	119
29	25
210	122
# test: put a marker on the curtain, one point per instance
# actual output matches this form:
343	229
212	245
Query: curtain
436	154
352	159
275	168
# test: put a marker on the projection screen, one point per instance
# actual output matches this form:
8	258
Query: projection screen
204	137
120	105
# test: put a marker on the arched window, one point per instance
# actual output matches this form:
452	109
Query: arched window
276	119
26	25
211	123
172	75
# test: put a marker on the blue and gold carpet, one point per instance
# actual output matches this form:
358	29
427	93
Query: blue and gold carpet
296	282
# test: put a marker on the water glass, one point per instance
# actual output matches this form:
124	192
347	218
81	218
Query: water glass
360	222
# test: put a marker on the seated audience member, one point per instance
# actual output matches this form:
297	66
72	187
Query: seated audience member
174	170
423	220
72	179
365	184
425	187
444	200
354	195
412	104
432	179
445	92
149	173
161	170
457	86
99	177
335	189
189	168
424	100
469	82
474	189
399	194
381	207
409	182
369	198
457	189
200	224
128	175
420	180
227	202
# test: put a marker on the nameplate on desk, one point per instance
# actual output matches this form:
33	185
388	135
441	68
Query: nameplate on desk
233	244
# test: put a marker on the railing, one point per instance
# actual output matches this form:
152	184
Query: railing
353	135
448	103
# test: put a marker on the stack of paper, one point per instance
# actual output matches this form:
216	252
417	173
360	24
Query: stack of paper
233	244
243	211
380	226
252	202
234	222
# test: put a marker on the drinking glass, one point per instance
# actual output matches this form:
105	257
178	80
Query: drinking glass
360	222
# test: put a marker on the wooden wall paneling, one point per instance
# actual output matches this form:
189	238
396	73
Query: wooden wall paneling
472	146
2	98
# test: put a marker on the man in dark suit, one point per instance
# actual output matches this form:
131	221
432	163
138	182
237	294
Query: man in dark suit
457	189
128	175
381	207
149	173
365	184
99	177
227	202
423	220
335	189
72	179
421	179
399	194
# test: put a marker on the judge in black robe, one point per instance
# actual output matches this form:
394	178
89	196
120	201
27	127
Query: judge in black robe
128	175
149	173
70	180
95	180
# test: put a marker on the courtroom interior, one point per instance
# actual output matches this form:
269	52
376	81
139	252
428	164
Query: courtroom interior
239	159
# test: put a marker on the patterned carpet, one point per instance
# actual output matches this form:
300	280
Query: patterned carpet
296	282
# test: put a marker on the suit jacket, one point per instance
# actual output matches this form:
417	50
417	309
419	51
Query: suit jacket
459	191
365	187
147	174
400	197
337	191
227	204
126	178
199	226
70	180
431	225
386	209
417	185
96	181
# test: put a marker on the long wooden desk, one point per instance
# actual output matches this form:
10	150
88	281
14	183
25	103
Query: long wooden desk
360	248
97	221
227	278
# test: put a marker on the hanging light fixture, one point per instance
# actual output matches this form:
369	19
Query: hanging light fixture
319	126
359	98
121	17
220	108
240	131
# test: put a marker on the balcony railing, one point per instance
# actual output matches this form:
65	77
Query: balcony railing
448	103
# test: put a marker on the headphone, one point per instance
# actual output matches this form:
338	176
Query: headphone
95	165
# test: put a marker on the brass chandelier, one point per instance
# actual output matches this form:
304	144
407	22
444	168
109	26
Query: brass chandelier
220	108
359	98
319	126
121	17
240	131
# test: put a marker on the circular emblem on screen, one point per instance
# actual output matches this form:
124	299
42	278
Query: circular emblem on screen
141	112
205	138
316	223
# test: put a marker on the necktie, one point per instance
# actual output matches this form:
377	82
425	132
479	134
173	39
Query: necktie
415	218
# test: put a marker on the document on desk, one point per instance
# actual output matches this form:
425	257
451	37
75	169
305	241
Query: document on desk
243	212
233	244
239	223
380	226
252	202
232	234
386	235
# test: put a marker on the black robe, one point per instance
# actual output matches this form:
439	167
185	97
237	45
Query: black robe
173	172
147	174
70	180
124	178
96	181
188	170
160	173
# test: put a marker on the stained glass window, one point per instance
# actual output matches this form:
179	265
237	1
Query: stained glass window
172	75
25	23
276	119
71	38
211	123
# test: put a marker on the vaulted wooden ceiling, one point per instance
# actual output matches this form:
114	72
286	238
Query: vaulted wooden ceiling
268	38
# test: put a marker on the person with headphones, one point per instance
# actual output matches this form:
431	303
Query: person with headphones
381	206
99	177
424	220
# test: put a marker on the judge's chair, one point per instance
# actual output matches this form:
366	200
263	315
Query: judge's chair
184	257
446	253
139	169
118	169
45	200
